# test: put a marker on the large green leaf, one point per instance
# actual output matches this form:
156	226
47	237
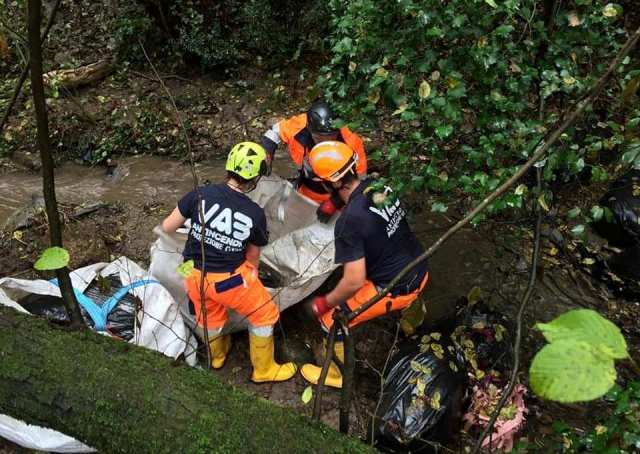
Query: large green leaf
52	258
587	326
571	371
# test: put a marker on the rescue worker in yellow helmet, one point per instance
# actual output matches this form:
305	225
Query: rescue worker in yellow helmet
234	228
372	242
301	133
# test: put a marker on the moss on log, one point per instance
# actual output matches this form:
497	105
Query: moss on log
120	398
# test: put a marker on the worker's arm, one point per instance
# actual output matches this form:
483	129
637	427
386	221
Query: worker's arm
252	254
271	140
353	278
173	222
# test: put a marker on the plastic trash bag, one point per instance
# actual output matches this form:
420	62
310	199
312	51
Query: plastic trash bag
422	395
623	199
120	321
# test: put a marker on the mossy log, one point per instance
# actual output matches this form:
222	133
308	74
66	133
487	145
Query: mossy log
121	398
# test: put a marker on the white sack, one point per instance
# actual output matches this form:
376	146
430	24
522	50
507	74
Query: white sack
300	248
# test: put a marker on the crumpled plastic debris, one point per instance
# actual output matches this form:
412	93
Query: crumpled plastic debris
484	399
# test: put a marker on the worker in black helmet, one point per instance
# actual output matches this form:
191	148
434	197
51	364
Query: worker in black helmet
301	133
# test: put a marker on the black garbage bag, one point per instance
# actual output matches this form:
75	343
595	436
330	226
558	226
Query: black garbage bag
120	321
422	395
623	199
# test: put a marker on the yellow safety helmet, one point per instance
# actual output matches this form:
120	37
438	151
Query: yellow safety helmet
332	160
248	160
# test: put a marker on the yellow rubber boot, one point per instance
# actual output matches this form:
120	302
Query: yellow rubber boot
220	346
265	368
311	372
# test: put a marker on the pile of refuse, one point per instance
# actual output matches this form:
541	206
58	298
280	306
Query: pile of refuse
436	375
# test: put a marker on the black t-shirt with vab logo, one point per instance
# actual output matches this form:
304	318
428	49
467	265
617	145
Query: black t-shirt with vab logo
231	221
382	236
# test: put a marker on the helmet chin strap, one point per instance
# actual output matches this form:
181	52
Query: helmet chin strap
243	190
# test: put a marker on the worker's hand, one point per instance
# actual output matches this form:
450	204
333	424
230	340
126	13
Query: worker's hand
269	161
320	306
326	210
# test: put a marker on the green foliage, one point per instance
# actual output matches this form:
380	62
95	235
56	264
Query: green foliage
132	26
456	87
577	364
619	433
137	130
52	258
234	32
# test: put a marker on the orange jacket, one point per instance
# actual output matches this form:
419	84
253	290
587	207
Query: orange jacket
294	132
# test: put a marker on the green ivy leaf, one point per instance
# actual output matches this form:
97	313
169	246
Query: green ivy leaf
444	131
52	258
578	230
571	371
307	394
597	212
491	3
586	325
573	213
438	207
185	268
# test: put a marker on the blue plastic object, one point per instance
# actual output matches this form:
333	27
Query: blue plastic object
98	313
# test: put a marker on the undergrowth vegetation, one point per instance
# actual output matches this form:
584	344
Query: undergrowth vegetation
464	90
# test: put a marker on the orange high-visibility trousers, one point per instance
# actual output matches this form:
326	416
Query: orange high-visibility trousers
384	306
240	290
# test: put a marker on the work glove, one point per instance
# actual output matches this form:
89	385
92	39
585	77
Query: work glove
328	208
320	306
269	163
325	211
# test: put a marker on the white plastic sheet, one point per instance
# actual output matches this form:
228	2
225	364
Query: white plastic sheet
160	327
300	249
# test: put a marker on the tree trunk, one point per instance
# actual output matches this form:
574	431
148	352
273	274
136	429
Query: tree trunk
77	77
117	397
34	10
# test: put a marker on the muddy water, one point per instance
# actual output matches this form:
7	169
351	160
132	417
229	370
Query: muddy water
135	180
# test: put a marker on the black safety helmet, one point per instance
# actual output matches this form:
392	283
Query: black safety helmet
320	118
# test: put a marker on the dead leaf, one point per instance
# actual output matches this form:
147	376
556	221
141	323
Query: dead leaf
574	19
474	295
434	402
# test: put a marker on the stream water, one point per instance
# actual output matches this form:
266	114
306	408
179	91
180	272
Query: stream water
135	180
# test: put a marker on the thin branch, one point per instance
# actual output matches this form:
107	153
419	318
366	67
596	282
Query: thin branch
542	148
317	404
506	394
347	373
384	369
194	175
25	70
